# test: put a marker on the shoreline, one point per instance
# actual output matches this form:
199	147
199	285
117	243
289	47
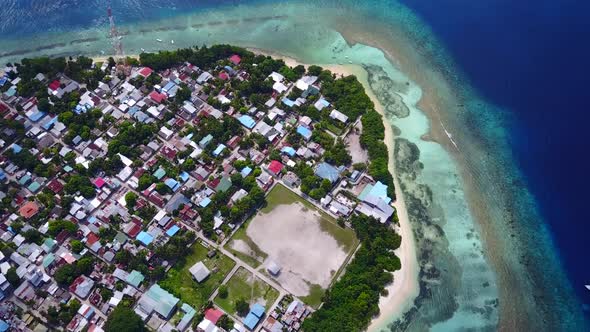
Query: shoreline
405	287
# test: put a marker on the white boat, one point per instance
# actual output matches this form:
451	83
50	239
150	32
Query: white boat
158	40
120	37
588	287
142	50
172	41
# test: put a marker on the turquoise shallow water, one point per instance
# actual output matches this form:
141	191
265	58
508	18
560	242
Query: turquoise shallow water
484	259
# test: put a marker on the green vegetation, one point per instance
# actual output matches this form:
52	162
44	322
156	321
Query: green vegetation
316	294
352	301
242	307
124	319
180	282
243	285
372	140
67	273
348	96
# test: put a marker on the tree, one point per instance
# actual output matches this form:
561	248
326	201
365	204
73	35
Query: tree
131	199
223	292
225	323
124	319
12	277
77	246
242	307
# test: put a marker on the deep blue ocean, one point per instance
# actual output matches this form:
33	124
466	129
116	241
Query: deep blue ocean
533	59
529	58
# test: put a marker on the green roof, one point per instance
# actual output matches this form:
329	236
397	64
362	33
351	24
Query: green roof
49	243
224	184
159	173
121	237
49	258
33	187
135	278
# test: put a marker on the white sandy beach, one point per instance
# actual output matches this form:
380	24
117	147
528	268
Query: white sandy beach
405	288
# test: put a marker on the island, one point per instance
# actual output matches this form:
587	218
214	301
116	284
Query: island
206	188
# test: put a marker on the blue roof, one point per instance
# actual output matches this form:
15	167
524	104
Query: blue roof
247	121
36	116
324	102
48	124
132	110
218	150
159	173
288	102
3	80
303	131
2	175
251	321
288	150
258	310
145	238
327	171
11	92
246	171
172	184
168	86
205	140
172	230
205	202
4	326
378	190
184	176
16	148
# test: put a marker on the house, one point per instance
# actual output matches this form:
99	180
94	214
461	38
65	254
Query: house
305	132
156	300
235	59
275	167
207	326
291	180
327	171
337	115
205	141
238	195
199	271
165	133
157	97
218	150
305	82
253	318
273	268
247	121
82	286
28	210
145	72
375	202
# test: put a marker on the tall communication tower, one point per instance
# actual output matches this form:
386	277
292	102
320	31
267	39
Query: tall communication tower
116	39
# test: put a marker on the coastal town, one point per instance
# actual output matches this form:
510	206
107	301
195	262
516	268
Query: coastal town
203	189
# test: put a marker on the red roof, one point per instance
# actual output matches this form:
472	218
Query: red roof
28	210
134	230
91	239
99	182
54	85
145	71
235	59
157	97
275	167
224	76
55	186
213	315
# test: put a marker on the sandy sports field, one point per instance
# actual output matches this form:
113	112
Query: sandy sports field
292	237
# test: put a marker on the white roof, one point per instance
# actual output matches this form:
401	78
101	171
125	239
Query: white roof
279	87
199	271
276	76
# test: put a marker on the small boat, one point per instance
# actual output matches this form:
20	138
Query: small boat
120	37
158	40
142	50
588	287
172	41
349	61
102	52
